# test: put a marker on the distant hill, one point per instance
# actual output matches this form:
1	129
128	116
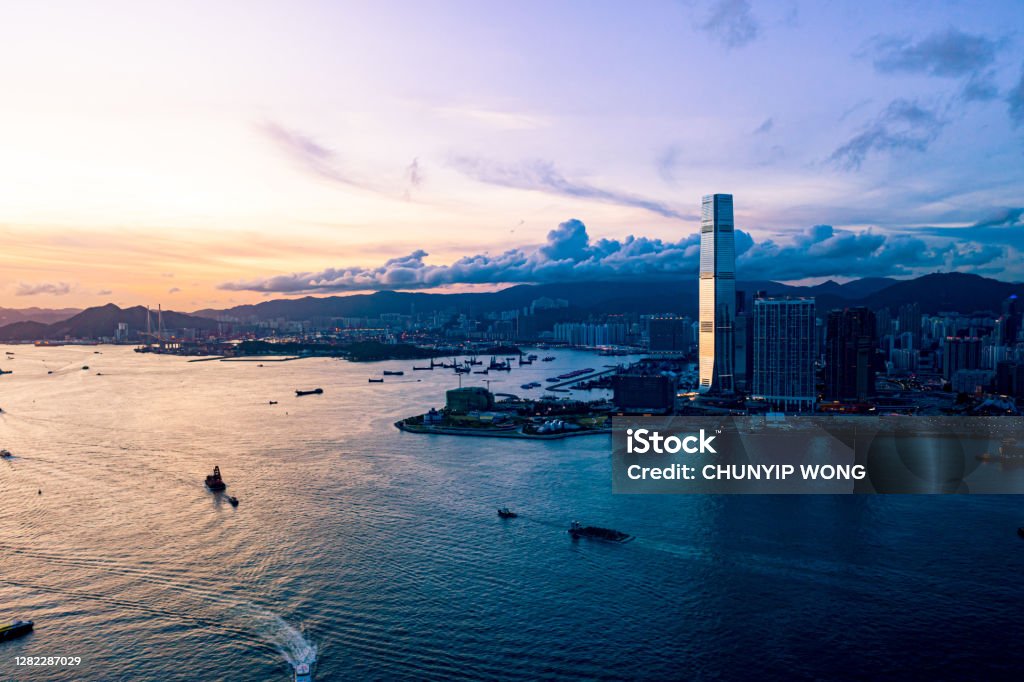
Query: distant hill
44	315
656	296
100	321
947	291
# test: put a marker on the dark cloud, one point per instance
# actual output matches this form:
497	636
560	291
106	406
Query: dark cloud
980	87
731	23
1010	217
173	290
823	251
950	54
904	125
35	289
765	126
310	156
1015	99
569	254
542	176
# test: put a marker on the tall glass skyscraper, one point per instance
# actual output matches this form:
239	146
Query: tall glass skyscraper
717	294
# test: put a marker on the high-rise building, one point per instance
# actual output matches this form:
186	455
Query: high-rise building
784	352
960	354
666	334
717	294
849	354
910	321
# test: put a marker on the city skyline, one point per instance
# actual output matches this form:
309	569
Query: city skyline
205	156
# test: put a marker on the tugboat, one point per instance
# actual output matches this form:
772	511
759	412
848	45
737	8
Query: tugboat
507	513
578	531
15	629
315	391
214	481
302	673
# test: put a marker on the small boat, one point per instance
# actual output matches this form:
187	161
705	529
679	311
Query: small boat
393	373
6	453
548	358
302	673
272	402
50	372
17	628
6	371
233	500
376	381
85	367
315	391
507	513
214	481
594	532
422	369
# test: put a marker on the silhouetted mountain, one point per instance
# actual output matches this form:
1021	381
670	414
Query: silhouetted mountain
937	292
946	291
100	321
44	315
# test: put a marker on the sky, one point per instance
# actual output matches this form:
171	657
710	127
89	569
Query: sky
208	154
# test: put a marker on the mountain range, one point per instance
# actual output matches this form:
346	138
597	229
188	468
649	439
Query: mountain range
939	292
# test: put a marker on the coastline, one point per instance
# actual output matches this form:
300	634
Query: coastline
401	425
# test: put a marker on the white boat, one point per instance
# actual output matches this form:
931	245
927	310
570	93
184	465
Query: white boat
302	673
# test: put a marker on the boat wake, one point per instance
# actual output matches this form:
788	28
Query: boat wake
289	641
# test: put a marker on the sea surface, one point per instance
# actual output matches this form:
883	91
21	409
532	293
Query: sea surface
380	552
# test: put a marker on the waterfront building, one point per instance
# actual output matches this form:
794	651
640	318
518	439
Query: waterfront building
849	354
783	372
717	289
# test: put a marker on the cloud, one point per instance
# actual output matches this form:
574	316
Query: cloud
948	54
765	126
667	162
50	288
542	176
310	156
568	254
413	178
173	290
104	292
731	23
904	125
1015	99
1010	217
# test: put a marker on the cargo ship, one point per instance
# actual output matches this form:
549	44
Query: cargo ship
315	391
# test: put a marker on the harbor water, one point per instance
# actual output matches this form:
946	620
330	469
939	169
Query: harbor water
380	555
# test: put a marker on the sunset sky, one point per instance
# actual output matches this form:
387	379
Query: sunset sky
201	154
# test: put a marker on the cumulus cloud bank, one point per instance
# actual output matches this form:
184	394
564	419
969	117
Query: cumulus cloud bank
569	254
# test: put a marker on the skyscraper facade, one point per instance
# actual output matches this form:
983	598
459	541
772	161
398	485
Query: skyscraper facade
850	354
717	294
784	351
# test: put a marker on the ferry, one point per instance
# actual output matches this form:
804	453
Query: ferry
302	673
214	481
596	533
315	391
15	629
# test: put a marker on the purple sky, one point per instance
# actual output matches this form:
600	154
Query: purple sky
203	153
